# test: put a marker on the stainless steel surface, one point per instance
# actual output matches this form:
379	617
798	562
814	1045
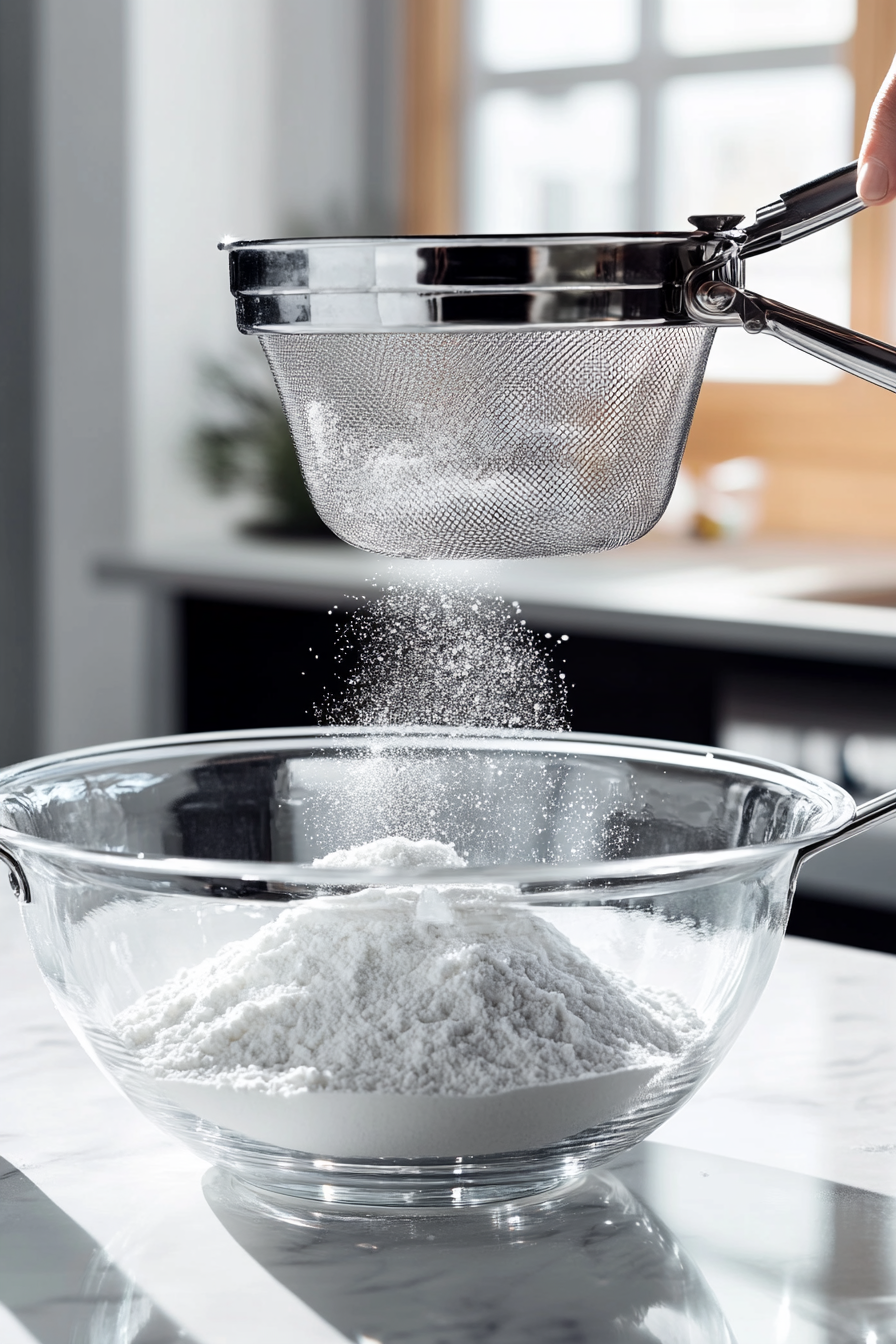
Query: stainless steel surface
485	396
408	284
803	210
492	282
724	304
513	443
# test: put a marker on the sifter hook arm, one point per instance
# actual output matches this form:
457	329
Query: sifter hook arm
803	210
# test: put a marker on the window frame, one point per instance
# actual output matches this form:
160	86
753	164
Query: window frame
647	72
830	448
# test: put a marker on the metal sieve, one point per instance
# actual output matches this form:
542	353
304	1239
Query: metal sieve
492	397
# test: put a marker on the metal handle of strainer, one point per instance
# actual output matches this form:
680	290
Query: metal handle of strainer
714	296
803	210
724	304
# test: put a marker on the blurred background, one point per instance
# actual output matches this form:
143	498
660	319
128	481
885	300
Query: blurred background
136	422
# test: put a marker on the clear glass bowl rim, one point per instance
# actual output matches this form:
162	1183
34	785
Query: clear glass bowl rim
836	810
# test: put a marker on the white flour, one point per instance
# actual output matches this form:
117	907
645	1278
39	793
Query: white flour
396	851
420	992
446	653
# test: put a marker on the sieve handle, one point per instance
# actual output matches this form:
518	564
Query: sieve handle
803	210
867	358
721	304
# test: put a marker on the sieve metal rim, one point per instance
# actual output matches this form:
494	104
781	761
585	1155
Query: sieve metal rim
684	279
467	282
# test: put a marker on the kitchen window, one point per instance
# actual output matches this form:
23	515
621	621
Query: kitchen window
634	114
573	115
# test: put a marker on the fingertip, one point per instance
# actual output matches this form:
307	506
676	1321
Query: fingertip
873	182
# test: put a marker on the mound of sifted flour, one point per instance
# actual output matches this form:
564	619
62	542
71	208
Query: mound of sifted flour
420	992
395	851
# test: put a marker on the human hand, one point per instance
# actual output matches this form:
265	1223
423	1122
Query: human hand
877	158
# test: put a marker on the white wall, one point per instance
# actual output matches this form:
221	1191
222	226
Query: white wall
165	124
252	118
319	114
200	75
91	636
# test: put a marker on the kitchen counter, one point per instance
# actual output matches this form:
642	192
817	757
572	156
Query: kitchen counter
759	596
769	1202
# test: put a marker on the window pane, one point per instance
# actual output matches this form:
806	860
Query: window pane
536	163
768	131
692	27
544	34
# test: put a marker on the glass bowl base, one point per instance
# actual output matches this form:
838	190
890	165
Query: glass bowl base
273	1175
272	1171
276	1200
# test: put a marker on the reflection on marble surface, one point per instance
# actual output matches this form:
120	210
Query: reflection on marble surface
791	1259
59	1284
590	1263
753	1254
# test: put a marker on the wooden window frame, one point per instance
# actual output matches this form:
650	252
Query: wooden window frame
830	448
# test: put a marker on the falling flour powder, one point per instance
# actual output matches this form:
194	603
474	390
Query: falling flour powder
416	1016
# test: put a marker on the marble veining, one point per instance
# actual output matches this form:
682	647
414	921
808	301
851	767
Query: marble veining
810	1085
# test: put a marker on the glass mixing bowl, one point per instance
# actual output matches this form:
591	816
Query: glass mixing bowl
665	871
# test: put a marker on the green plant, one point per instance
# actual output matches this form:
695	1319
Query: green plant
248	444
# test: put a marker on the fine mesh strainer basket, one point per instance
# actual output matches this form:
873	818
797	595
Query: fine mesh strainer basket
516	396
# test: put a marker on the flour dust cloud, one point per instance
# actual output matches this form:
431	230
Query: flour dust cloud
448	656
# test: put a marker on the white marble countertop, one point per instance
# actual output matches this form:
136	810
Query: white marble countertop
807	1096
755	596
